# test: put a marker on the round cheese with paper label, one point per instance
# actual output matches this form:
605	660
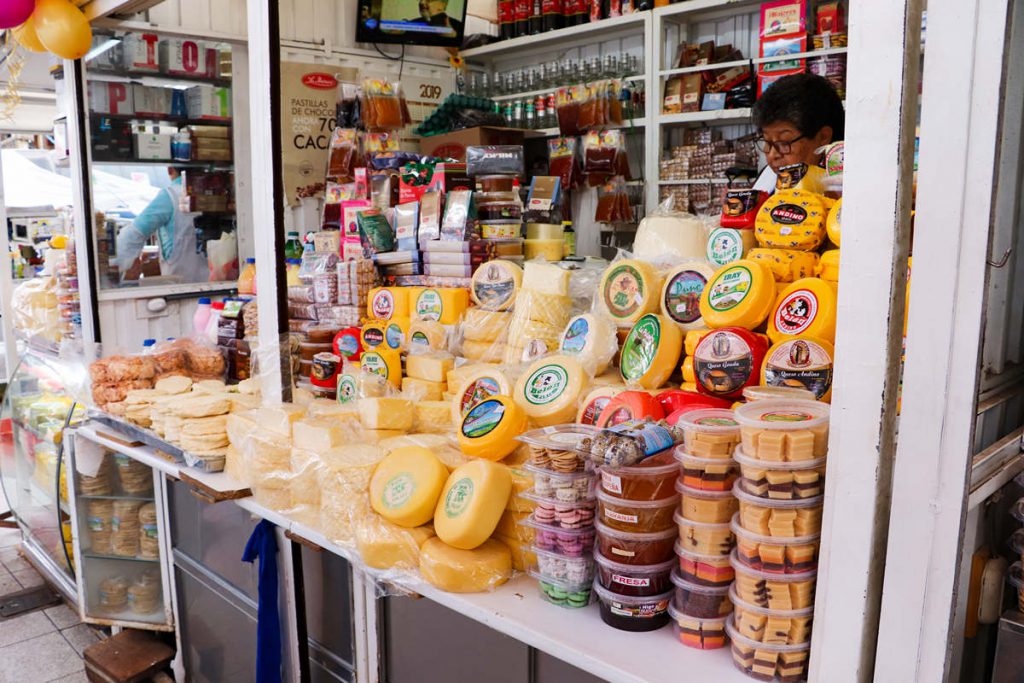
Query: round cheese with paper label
651	351
727	360
806	307
495	284
628	290
406	485
550	389
793	219
739	294
385	303
489	428
472	503
385	363
801	363
592	339
480	384
680	295
726	245
595	402
835	222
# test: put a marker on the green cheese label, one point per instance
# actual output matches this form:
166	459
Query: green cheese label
730	288
546	384
640	347
623	291
398	490
429	305
459	497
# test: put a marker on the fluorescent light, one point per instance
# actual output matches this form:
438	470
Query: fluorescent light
101	48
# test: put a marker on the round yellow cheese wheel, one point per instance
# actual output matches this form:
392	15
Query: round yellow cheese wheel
835	222
786	264
427	333
792	219
550	389
471	503
592	339
800	363
651	351
828	266
680	295
806	307
383	362
549	250
595	403
481	383
693	338
479	324
726	245
495	285
629	288
740	294
406	485
489	428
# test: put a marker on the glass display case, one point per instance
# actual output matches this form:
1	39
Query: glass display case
36	411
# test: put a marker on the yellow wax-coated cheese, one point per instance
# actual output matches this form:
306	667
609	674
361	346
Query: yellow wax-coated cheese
432	416
629	288
688	386
441	304
801	363
372	334
465	571
546	278
592	340
280	418
786	264
828	266
406	486
383	545
835	222
609	378
680	295
523	556
487	352
549	250
550	389
429	366
385	363
739	294
443	446
427	334
471	503
385	413
478	383
495	285
595	403
320	433
651	351
792	219
416	389
688	374
385	303
545	231
482	325
490	427
726	245
510	525
806	307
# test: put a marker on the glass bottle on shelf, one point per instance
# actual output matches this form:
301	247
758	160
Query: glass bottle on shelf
536	18
529	118
552	112
506	112
540	109
293	246
517	114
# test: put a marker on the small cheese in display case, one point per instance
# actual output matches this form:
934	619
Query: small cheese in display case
778	518
798	480
784	430
702	633
711	433
766	662
785	592
774	554
703	538
776	627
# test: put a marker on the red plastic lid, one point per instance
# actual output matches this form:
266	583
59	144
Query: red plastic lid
728	359
217	305
630	405
676	400
347	343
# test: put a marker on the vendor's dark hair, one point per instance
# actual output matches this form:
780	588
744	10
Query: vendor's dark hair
807	101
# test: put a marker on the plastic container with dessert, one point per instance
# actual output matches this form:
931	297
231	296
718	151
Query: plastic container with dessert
632	613
768	662
761	393
555	513
565	542
563	593
496	183
1015	575
701	633
560	448
637	516
709	433
695	600
634	579
714	571
776	555
567	487
706	474
781	480
635	549
775	591
778	518
784	430
500	228
710	507
766	625
572	570
651	479
702	538
630	442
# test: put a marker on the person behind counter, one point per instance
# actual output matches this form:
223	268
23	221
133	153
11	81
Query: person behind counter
794	118
176	234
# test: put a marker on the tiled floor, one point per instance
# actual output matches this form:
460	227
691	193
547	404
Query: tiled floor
41	646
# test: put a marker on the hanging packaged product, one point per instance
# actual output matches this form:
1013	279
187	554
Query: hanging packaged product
740	207
490	427
835	222
726	245
348	343
613	204
828	266
385	303
801	363
630	405
427	334
562	161
550	389
567	107
385	363
728	359
406	486
739	294
680	295
604	155
806	307
478	384
786	265
793	219
344	155
594	404
592	340
651	351
801	177
385	107
471	503
495	285
629	289
441	304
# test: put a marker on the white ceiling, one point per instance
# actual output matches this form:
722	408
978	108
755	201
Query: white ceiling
38	105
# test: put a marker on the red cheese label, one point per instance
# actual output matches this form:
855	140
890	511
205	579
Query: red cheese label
796	312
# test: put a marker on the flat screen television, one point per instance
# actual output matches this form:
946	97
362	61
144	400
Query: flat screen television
412	22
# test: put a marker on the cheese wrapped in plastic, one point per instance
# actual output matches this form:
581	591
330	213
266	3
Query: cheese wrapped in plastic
304	486
592	340
383	545
465	571
344	482
444	446
629	289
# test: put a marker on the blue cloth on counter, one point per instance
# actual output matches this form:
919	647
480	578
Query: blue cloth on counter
262	545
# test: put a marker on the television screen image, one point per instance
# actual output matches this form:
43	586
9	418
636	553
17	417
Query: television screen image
414	22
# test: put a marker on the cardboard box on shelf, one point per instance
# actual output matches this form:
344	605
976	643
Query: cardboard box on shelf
110	98
208	102
453	145
188	57
152	146
151	101
141	52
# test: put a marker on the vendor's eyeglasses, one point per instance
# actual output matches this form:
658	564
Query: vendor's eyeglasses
781	146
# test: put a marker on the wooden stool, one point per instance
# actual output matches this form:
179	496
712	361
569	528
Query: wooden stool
129	657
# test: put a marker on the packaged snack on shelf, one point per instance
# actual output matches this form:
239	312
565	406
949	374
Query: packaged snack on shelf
775	554
709	507
699	600
628	613
651	480
563	593
705	570
564	487
778	518
774	626
630	442
565	542
634	580
707	474
791	591
578	514
784	430
710	433
635	548
766	661
560	448
704	538
701	633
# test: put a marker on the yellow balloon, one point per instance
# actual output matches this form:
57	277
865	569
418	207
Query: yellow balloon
26	36
62	28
